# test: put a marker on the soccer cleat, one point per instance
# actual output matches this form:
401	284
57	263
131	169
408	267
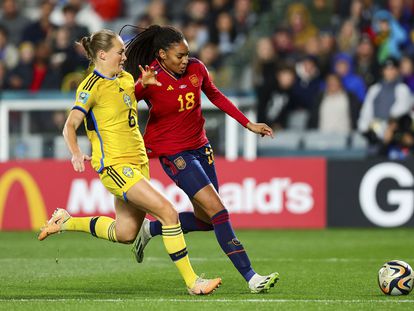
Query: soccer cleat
204	286
54	224
262	284
143	237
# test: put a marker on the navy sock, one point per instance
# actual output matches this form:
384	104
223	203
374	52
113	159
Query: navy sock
188	223
231	245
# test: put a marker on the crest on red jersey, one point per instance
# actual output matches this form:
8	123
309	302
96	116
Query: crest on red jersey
194	80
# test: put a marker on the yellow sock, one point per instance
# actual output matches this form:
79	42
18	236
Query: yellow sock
174	242
99	226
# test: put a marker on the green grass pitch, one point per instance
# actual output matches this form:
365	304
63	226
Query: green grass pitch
332	269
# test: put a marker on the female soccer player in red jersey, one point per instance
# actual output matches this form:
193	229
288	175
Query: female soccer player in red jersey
175	133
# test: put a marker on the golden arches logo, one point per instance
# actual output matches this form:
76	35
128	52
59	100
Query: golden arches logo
37	208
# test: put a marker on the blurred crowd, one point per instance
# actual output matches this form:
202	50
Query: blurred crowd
338	67
332	65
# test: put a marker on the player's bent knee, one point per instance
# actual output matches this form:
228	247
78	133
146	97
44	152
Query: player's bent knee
126	236
126	239
212	209
169	215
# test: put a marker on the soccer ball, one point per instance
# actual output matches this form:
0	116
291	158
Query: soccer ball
396	278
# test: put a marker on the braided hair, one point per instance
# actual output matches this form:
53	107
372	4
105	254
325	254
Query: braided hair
145	46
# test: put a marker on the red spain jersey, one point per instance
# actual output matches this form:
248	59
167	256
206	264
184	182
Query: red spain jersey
175	120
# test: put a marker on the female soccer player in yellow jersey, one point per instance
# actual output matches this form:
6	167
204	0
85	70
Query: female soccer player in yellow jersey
106	103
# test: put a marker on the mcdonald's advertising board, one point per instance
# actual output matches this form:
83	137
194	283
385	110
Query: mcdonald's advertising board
266	193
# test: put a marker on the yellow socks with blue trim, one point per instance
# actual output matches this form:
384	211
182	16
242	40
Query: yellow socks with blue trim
174	242
99	226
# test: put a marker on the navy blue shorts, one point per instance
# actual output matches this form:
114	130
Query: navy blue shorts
191	170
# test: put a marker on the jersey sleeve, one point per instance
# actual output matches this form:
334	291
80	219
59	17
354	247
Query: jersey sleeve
219	99
84	99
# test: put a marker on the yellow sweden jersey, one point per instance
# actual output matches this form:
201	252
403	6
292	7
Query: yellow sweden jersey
111	120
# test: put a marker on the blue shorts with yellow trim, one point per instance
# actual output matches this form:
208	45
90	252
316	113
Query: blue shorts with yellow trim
191	170
119	178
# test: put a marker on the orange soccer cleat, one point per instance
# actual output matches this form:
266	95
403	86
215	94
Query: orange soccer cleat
204	286
54	225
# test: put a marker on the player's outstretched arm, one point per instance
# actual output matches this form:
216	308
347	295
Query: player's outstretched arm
260	128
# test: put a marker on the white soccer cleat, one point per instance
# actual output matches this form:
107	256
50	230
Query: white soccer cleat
262	283
54	225
143	237
204	286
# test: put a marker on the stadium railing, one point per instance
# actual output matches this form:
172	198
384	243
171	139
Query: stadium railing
26	102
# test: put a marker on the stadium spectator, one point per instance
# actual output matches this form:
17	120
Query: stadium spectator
13	20
366	64
302	95
245	18
300	24
276	110
177	11
263	75
3	76
157	11
224	34
8	52
123	155
389	35
348	37
20	77
398	142
218	6
143	21
402	12
407	71
387	99
197	34
185	152
44	75
210	56
197	11
322	13
312	47
335	109
220	75
360	12
283	43
343	66
76	31
64	57
41	29
86	15
328	48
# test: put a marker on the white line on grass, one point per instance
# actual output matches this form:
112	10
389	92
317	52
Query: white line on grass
324	301
209	259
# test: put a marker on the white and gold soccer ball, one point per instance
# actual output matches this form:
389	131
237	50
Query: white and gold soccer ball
396	278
